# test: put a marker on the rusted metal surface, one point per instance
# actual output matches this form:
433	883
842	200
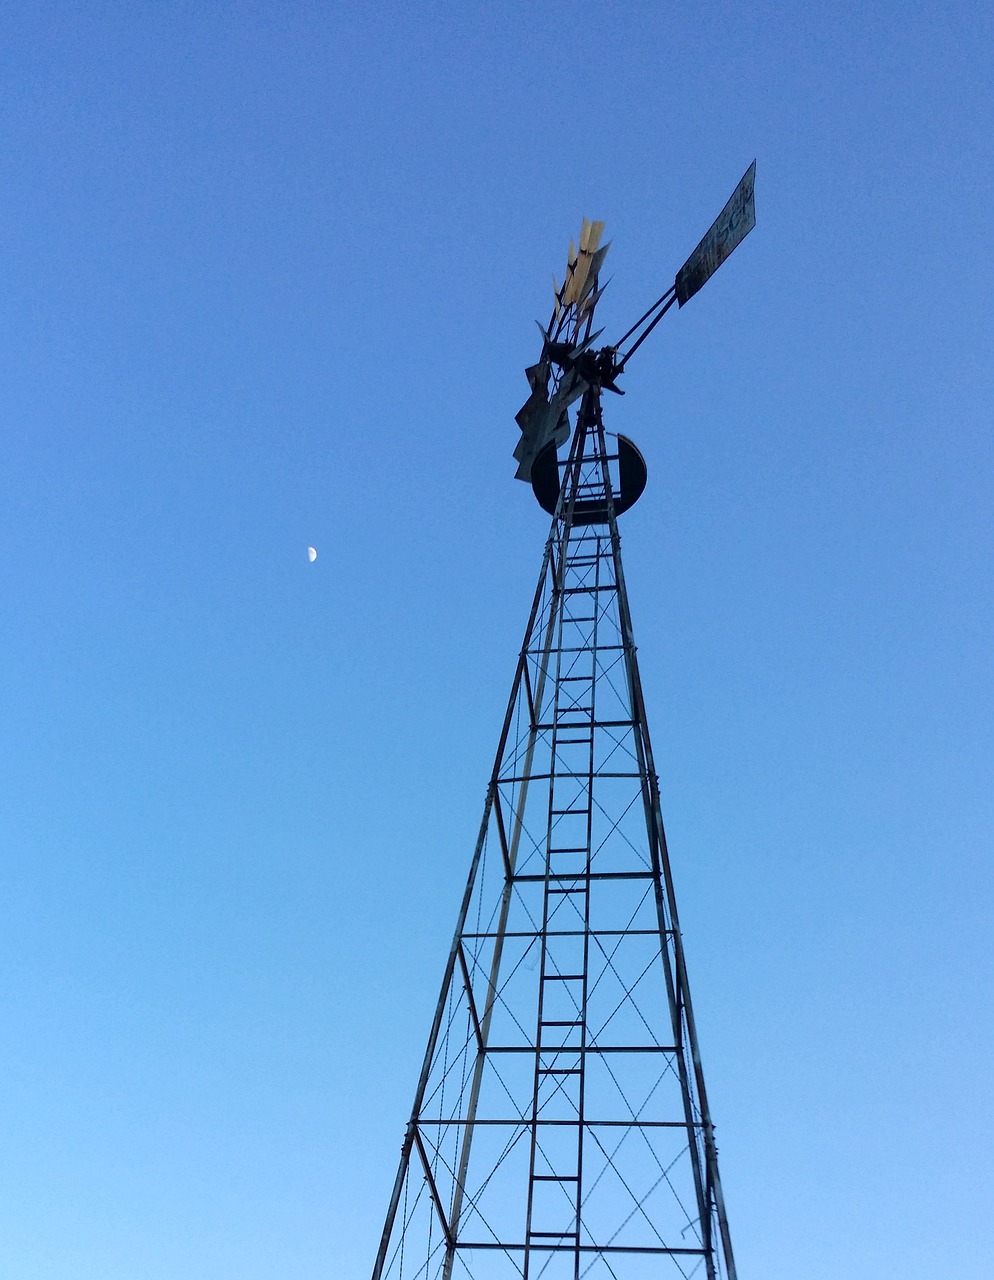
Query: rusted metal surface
729	229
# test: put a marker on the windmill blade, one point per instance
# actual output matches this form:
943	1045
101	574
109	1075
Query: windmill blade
728	230
541	422
596	262
591	300
581	276
590	235
544	416
581	347
576	279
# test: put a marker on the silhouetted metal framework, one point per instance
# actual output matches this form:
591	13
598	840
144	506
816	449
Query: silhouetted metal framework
560	1126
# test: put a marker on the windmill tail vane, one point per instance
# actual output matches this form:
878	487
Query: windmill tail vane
561	1128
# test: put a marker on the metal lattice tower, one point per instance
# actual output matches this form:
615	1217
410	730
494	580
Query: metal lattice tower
560	1126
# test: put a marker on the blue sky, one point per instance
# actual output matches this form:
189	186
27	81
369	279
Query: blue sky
269	278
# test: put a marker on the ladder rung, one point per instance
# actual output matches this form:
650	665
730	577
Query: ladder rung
563	977
577	876
583	648
555	1177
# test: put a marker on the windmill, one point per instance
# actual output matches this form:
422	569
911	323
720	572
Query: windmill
560	1126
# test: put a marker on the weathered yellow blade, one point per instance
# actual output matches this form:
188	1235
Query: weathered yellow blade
590	236
581	276
596	261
